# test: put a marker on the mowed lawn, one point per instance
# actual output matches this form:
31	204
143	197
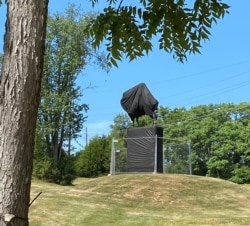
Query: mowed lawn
141	199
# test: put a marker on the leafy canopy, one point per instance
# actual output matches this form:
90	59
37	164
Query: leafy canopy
179	26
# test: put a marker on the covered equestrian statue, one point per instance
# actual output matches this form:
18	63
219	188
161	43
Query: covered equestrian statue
138	101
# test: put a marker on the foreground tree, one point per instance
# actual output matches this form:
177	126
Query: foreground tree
1	59
20	95
181	28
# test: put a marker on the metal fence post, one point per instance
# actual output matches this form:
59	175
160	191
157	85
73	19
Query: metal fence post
112	160
190	157
155	166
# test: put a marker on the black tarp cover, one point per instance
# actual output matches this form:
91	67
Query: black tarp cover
141	148
138	101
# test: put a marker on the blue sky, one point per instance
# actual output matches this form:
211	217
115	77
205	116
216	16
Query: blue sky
219	75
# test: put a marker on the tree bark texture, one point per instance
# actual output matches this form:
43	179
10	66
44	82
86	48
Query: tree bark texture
24	44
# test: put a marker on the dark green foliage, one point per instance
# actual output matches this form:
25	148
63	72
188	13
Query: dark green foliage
179	26
241	175
64	173
44	169
94	160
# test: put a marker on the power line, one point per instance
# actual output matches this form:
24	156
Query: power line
220	91
205	72
209	94
211	84
184	76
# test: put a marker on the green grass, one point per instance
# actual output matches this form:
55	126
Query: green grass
141	200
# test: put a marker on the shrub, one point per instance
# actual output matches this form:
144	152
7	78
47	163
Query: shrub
63	174
241	175
44	169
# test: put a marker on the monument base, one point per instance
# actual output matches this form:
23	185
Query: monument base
145	149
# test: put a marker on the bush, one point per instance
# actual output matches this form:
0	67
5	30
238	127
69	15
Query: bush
44	169
241	175
63	174
66	171
94	160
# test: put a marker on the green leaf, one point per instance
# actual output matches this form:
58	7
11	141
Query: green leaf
113	62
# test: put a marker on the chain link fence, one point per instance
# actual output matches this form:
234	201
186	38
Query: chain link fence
174	158
177	158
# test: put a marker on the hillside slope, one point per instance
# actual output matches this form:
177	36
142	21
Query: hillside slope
136	199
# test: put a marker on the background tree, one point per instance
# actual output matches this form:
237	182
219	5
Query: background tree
230	147
225	150
119	128
181	30
61	113
202	124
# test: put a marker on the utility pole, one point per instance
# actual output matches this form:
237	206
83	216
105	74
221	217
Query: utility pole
86	135
190	158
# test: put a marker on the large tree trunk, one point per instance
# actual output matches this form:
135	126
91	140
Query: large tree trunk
24	44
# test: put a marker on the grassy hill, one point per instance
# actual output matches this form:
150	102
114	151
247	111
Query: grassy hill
141	200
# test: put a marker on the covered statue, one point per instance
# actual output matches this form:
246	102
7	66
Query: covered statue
138	101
